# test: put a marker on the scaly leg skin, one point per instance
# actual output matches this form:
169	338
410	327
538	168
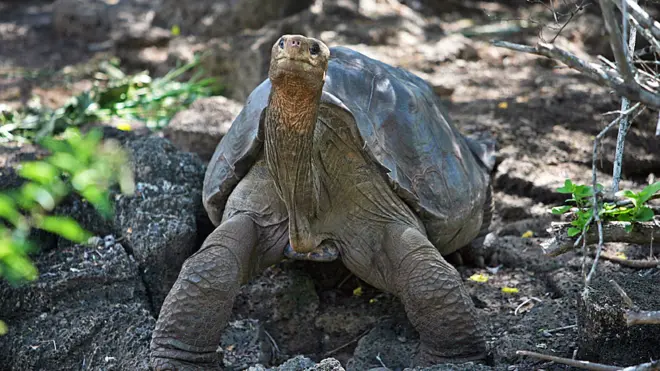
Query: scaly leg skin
199	304
434	297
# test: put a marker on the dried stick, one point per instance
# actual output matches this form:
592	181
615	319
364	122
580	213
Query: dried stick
570	362
650	366
625	103
612	232
600	74
641	16
622	292
642	317
618	48
636	264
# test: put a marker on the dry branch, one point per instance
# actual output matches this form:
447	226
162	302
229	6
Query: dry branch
625	103
616	42
636	264
650	366
642	317
560	243
601	74
644	19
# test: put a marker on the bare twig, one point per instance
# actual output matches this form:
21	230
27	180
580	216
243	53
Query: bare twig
644	19
561	328
625	112
650	366
624	296
570	362
636	264
618	48
612	232
643	317
333	351
515	312
273	342
655	44
625	103
600	74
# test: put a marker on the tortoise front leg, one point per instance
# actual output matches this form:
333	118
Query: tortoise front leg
199	304
431	290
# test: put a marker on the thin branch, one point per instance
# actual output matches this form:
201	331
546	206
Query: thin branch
622	292
570	362
636	264
643	317
618	48
600	74
655	44
624	126
644	19
650	366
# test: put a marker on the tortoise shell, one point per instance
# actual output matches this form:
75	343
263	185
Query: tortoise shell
441	174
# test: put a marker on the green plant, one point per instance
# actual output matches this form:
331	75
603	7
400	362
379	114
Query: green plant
114	95
581	206
80	163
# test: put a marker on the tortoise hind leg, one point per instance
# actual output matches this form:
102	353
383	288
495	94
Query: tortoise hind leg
199	304
435	299
479	253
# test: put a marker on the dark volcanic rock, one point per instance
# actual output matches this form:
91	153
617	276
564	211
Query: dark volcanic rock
160	222
88	307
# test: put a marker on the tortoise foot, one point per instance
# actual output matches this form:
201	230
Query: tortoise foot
427	357
324	253
479	253
167	364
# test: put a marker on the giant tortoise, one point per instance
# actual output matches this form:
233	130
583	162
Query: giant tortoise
337	156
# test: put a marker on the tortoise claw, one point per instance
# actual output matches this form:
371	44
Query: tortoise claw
324	253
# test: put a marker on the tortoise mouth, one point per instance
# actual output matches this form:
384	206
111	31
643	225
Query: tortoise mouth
294	65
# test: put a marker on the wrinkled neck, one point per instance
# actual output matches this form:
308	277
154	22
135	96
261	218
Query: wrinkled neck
289	133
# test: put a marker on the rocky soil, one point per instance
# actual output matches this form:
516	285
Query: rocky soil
94	306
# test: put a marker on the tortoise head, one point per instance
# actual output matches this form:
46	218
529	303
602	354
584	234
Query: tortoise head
298	60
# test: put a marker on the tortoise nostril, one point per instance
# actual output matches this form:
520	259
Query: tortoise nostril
294	43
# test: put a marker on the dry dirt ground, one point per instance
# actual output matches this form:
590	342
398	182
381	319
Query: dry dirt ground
544	117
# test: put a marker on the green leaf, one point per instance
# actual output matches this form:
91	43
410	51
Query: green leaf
3	328
567	188
648	192
38	171
33	192
99	199
66	161
8	210
628	227
560	209
644	214
572	231
64	226
582	191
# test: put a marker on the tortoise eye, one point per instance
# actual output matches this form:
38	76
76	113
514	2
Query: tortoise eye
282	43
314	49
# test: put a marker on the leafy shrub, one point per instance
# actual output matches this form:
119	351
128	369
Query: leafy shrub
80	163
580	205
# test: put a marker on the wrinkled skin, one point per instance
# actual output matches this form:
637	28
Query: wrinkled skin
313	194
